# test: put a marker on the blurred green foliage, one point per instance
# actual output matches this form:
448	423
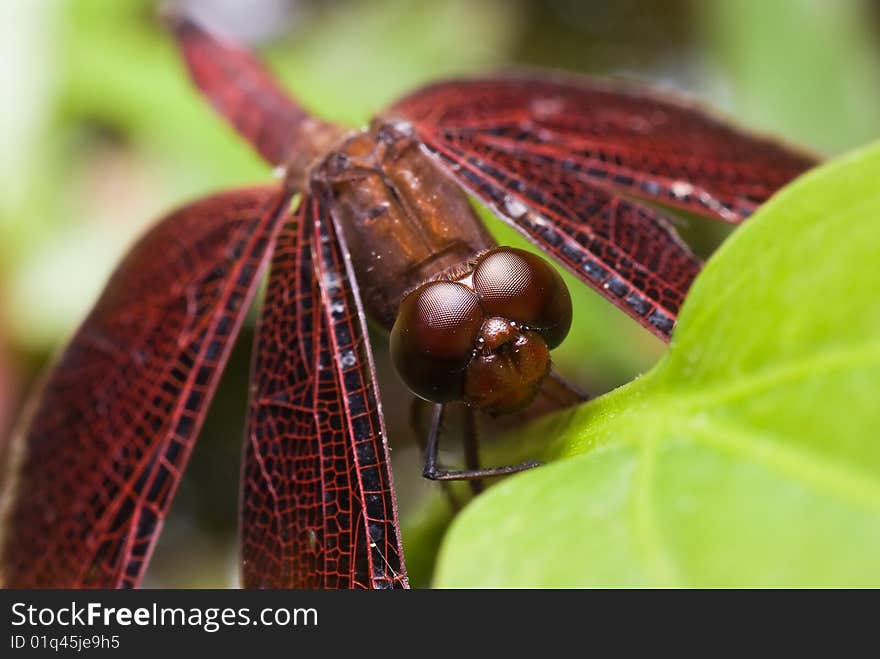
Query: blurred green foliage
803	69
102	133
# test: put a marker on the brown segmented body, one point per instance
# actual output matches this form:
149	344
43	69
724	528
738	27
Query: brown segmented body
405	221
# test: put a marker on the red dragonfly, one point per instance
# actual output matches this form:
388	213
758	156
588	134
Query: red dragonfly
382	225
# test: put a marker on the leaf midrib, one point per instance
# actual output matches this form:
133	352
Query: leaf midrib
650	543
770	450
781	373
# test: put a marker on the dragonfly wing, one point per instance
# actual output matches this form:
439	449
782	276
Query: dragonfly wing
627	252
612	134
553	155
318	507
112	428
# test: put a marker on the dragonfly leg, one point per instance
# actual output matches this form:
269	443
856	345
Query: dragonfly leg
417	423
472	448
433	472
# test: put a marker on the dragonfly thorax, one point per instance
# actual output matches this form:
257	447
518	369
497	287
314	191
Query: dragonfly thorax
484	337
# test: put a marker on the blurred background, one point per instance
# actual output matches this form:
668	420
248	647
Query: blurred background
100	134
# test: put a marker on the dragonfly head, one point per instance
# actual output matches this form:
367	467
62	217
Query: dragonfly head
486	337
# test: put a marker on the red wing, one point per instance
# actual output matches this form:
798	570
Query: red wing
318	508
627	252
115	421
243	92
616	136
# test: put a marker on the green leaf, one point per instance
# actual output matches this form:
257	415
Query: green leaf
749	455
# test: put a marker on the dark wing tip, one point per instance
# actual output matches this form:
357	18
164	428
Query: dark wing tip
186	27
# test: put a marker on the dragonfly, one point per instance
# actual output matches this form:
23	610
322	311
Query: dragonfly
362	223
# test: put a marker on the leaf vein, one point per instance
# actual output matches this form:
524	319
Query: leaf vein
651	547
791	371
842	481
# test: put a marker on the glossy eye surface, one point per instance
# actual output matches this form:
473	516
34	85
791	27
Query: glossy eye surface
523	287
433	338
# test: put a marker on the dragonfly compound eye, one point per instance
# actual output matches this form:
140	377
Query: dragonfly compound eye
518	285
433	339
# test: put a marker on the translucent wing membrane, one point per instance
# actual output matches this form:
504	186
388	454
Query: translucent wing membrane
113	426
318	508
243	92
611	134
626	251
550	156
